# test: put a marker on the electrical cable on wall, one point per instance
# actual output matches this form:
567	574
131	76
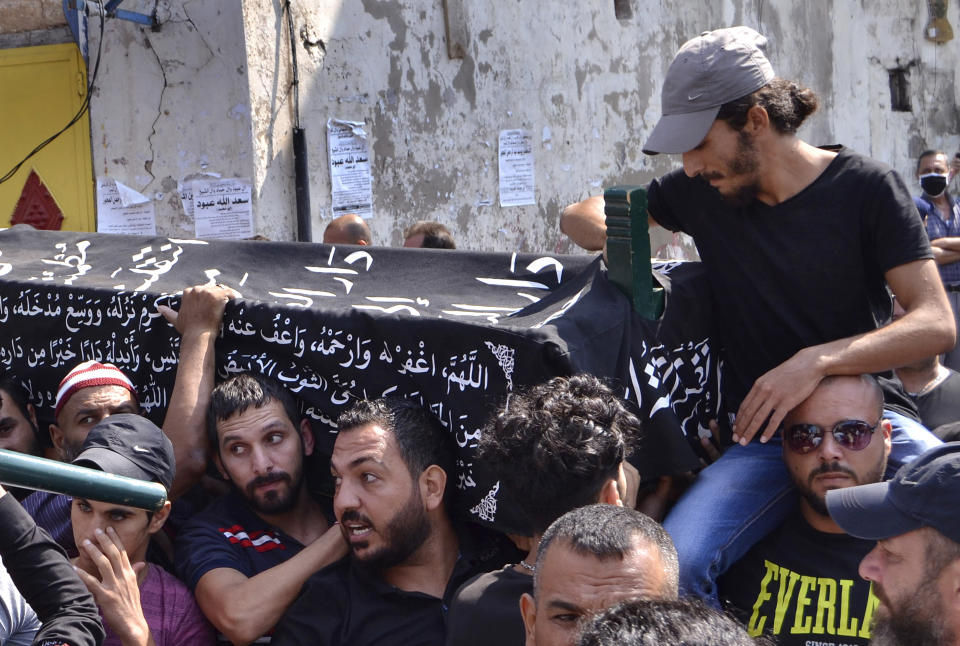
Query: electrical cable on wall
83	108
300	166
295	83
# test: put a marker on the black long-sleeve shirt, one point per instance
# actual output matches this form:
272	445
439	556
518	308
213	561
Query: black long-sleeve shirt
46	579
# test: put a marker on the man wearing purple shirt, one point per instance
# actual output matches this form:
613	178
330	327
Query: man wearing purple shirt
141	604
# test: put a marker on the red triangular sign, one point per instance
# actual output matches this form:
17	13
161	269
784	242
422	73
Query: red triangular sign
36	206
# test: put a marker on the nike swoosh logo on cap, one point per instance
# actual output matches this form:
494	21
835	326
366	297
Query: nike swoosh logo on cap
140	449
694	97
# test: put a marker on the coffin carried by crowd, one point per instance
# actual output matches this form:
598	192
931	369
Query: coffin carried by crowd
457	330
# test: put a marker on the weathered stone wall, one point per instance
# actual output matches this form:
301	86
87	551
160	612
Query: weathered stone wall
172	103
584	82
17	16
208	91
873	38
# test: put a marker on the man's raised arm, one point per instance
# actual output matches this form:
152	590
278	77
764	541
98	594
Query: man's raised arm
926	329
198	322
586	223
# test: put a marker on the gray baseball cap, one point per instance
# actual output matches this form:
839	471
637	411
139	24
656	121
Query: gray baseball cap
923	493
714	68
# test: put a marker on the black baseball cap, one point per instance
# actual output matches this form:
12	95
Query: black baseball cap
129	445
923	493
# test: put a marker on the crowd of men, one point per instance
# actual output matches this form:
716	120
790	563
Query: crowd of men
830	517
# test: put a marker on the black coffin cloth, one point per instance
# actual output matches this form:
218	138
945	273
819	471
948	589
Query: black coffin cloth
457	330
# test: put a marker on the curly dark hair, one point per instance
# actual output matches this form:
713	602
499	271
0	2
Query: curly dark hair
556	445
787	103
653	622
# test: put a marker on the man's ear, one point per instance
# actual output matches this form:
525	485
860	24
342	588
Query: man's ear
887	429
32	413
433	482
58	439
159	518
950	582
306	433
528	610
217	462
610	494
757	119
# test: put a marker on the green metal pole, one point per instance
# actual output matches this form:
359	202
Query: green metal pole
628	249
29	472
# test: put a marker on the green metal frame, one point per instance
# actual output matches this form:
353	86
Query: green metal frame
22	470
628	249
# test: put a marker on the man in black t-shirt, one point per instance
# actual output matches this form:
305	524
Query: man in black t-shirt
798	243
390	463
933	387
800	583
797	239
557	446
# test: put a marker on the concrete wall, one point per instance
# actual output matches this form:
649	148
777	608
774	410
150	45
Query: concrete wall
872	38
18	16
173	103
26	23
583	82
208	91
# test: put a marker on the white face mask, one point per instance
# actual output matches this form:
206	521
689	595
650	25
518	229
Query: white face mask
933	184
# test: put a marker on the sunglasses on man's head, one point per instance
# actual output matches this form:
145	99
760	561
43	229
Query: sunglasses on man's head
851	434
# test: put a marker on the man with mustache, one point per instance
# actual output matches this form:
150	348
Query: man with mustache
390	463
589	559
941	215
799	244
92	391
915	565
247	555
799	584
555	447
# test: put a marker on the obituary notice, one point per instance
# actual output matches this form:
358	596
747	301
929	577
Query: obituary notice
222	209
120	209
516	168
351	185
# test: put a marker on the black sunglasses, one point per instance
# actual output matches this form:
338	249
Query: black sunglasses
851	434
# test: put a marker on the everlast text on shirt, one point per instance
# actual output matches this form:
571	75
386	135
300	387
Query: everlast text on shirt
789	603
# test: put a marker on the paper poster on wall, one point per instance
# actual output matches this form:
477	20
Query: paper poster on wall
351	185
222	209
516	168
185	191
120	209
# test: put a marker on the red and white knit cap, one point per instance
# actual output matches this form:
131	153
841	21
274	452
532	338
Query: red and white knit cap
87	374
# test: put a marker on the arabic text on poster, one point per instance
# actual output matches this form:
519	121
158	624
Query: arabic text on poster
120	209
222	209
516	168
350	181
